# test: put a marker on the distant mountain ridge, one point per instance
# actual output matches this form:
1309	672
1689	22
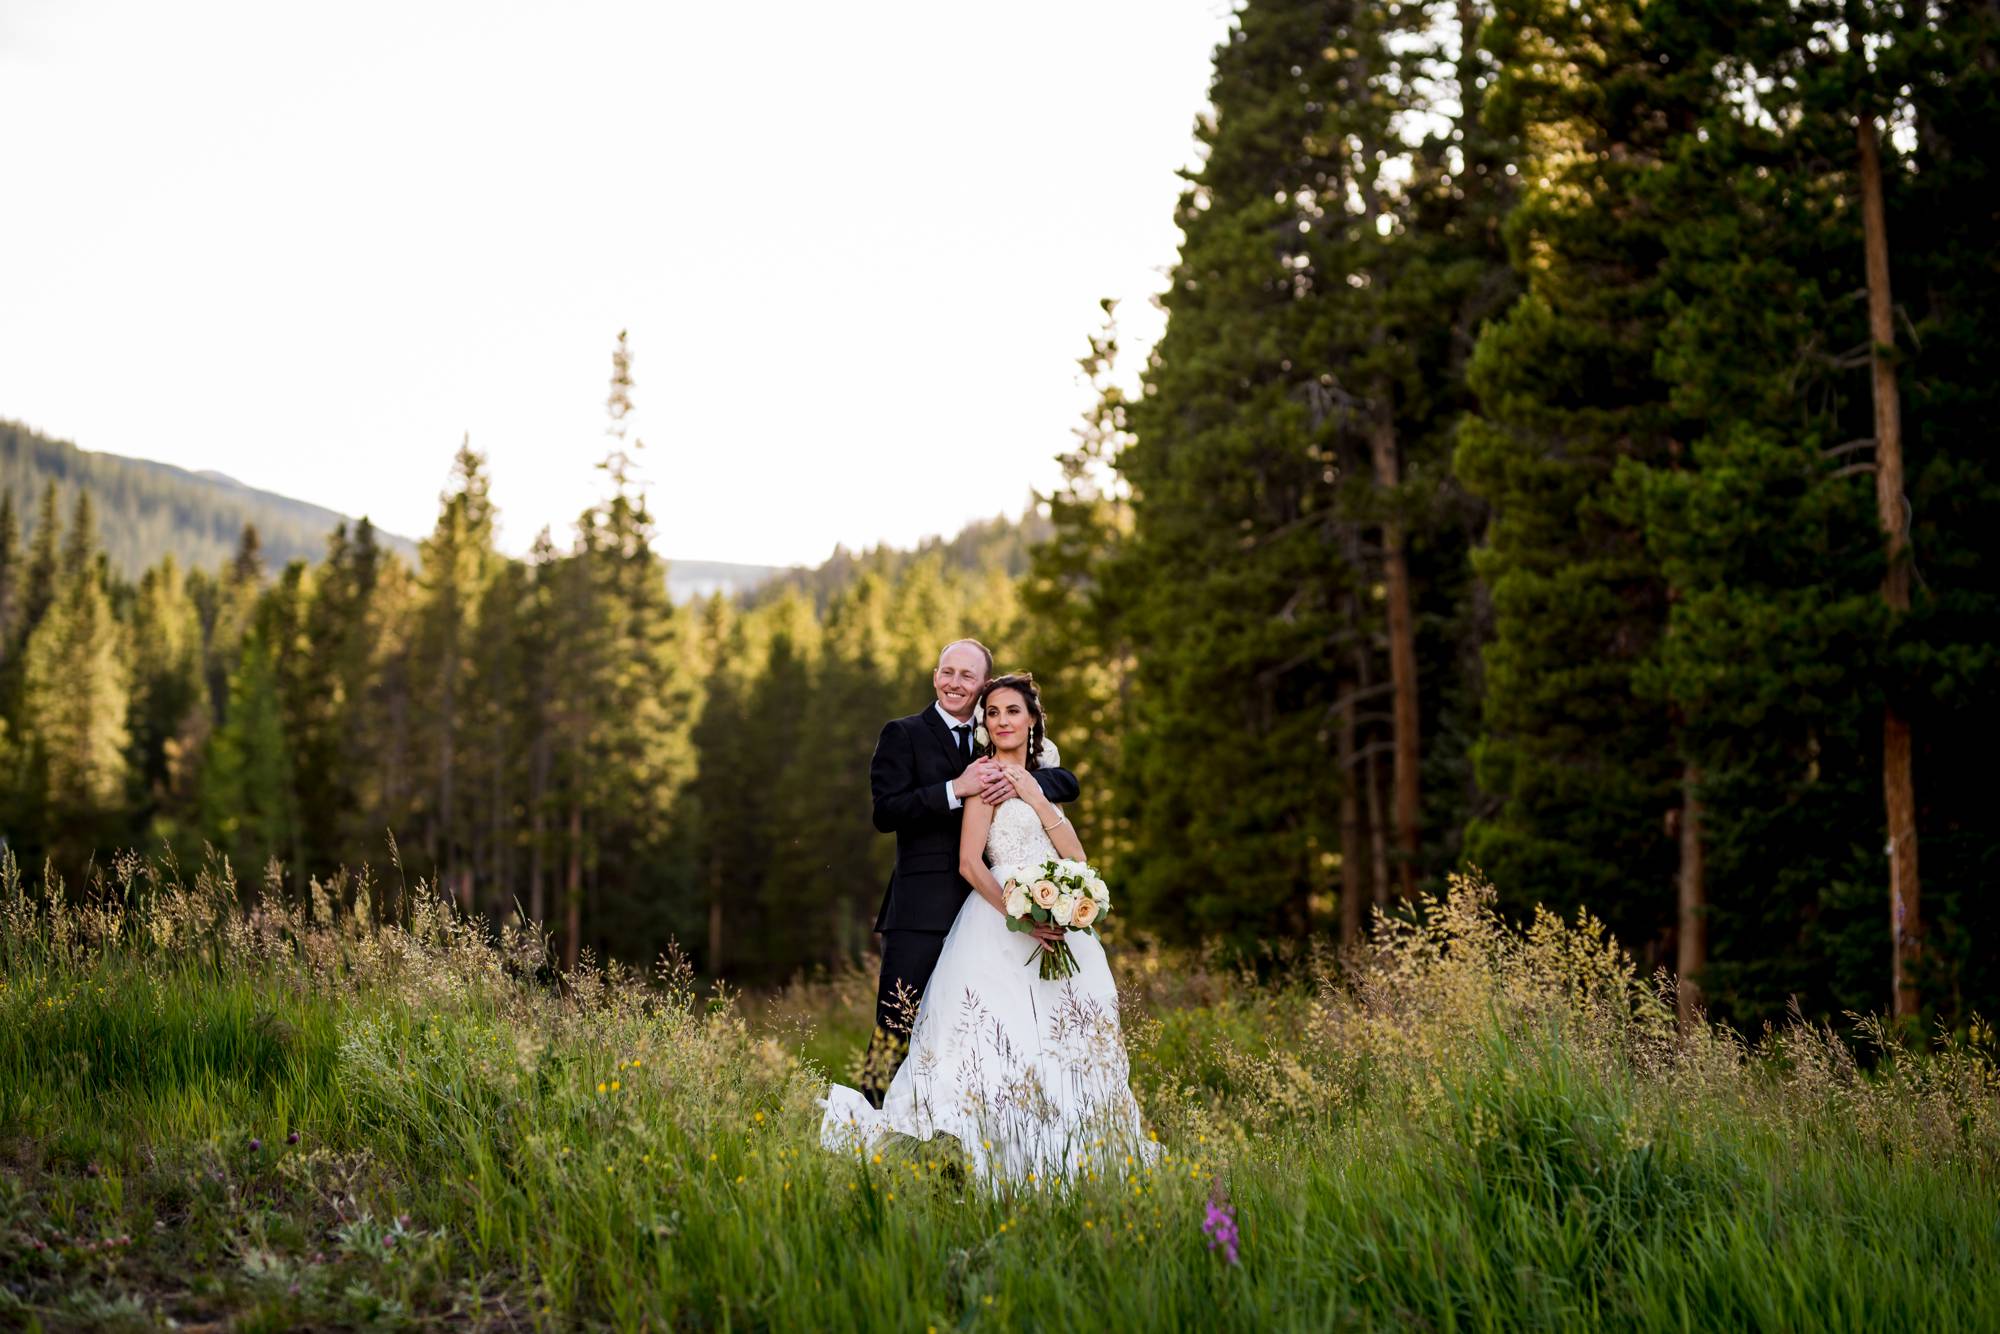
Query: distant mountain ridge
146	509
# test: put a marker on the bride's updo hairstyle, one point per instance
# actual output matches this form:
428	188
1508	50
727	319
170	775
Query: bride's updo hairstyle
1023	684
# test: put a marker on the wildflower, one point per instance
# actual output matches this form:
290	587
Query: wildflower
614	1086
759	1118
600	1086
292	1138
1220	1228
256	1145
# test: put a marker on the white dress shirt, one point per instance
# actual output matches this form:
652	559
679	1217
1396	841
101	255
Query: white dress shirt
951	801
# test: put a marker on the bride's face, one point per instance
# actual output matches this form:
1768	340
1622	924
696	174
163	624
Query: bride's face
1007	720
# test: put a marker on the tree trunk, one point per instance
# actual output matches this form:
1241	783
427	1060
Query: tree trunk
1371	790
538	806
1372	815
715	936
1402	653
1899	796
573	887
1352	835
1692	935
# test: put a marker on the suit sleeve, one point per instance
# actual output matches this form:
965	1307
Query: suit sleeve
1058	784
892	780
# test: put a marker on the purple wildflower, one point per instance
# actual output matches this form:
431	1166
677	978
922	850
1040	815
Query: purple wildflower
256	1144
292	1138
1220	1227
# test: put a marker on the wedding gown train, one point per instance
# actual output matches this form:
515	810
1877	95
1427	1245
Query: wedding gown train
1029	1076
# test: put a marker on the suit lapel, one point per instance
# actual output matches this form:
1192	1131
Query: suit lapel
945	739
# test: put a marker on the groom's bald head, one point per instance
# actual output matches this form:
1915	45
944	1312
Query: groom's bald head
985	654
963	667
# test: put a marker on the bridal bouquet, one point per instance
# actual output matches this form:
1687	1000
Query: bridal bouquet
1061	893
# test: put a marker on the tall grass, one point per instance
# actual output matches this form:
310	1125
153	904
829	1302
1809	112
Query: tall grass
297	1115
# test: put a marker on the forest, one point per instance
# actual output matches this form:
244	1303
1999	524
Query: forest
1567	455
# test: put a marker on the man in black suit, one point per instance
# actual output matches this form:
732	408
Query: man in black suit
922	774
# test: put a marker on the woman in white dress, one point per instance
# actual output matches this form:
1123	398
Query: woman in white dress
1029	1076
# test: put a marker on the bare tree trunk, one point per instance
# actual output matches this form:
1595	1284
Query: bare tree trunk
1402	653
573	887
1371	790
1373	815
1352	874
1899	796
715	936
538	806
1692	935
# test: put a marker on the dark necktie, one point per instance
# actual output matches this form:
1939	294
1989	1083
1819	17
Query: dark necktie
964	734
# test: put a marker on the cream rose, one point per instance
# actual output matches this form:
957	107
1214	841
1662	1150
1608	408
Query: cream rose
979	735
1045	893
1085	912
1017	902
1064	910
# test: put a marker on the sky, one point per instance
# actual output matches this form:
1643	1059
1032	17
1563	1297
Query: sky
858	248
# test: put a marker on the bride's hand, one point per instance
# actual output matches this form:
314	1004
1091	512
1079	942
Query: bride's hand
1025	786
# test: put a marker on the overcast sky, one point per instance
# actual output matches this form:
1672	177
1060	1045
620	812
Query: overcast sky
858	247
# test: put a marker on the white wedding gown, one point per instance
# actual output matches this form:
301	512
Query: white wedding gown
1030	1077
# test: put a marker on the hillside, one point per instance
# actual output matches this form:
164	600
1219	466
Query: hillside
146	509
998	542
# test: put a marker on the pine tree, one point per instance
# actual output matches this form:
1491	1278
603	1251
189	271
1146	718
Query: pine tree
11	573
75	701
169	719
1073	629
827	869
38	589
248	805
457	566
1583	773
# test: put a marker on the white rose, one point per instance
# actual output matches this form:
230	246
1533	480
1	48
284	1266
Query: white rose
1017	902
979	735
1064	910
1098	889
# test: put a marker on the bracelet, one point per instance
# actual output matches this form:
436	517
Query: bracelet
1061	819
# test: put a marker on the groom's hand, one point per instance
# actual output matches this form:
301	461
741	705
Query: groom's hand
995	786
978	779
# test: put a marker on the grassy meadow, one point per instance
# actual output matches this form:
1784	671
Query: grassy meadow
297	1116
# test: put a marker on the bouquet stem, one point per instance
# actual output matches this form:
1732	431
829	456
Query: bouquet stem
1058	961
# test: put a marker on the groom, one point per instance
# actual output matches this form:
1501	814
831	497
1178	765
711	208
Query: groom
921	777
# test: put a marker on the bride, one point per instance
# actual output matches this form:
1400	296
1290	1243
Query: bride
1029	1076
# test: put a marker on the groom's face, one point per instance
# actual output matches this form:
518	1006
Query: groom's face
960	675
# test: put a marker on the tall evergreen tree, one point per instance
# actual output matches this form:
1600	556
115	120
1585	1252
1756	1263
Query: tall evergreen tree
458	564
248	804
74	709
11	573
1584	773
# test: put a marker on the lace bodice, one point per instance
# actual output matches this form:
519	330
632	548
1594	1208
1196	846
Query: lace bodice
1017	839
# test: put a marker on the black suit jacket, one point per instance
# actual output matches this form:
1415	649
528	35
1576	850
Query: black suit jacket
914	758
